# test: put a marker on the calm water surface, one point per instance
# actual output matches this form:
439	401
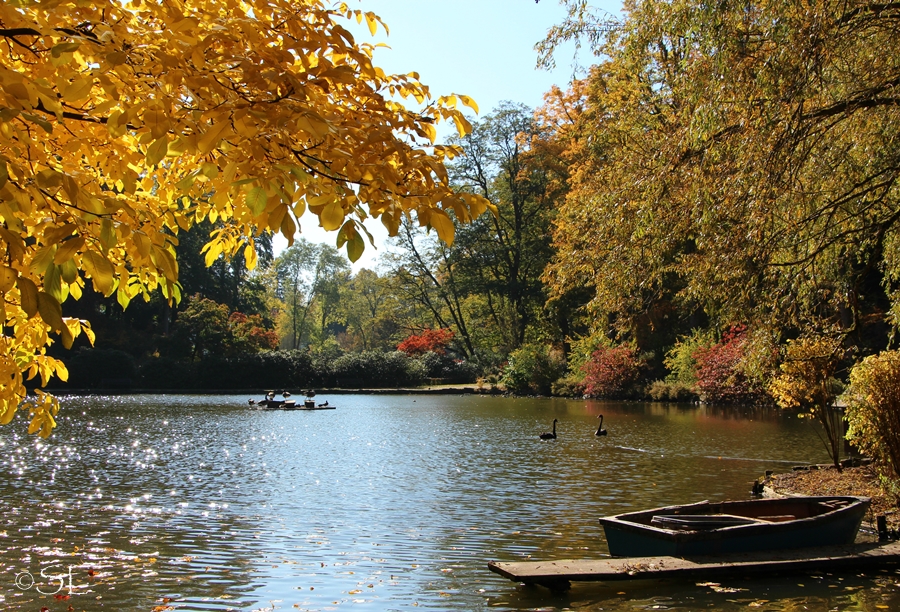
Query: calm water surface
386	503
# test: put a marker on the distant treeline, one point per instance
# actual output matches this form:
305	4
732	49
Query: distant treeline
291	369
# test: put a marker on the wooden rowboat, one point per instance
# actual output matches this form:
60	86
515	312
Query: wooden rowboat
731	527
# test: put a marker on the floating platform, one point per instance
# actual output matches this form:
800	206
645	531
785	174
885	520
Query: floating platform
557	575
308	408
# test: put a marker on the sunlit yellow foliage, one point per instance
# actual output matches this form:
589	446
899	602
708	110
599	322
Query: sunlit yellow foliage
806	380
806	373
123	123
873	409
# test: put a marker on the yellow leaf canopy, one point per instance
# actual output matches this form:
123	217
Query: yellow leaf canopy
123	123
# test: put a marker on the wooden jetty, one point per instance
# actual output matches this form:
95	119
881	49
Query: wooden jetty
557	575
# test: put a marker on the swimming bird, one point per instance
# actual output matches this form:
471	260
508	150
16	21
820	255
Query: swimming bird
285	394
600	430
550	436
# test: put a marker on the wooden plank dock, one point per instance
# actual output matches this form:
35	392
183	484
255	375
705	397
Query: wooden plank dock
557	575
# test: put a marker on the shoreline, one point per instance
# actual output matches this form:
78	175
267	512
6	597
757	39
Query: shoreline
431	390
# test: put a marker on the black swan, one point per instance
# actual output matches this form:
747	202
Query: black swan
600	430
548	435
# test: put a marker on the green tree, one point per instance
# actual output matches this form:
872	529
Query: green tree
431	294
308	278
366	306
502	257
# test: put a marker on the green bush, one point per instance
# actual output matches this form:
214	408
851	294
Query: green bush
680	360
375	369
568	386
533	369
664	391
447	368
267	370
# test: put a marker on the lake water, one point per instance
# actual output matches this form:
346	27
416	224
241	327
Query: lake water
386	503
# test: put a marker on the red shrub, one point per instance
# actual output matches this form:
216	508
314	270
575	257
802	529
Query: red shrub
430	340
720	378
612	372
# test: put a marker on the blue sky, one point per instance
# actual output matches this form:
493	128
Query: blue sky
481	48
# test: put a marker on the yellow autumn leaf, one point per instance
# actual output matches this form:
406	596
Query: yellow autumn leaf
156	152
51	311
332	216
250	257
469	102
443	226
67	249
78	90
101	271
355	247
29	295
372	22
7	278
256	200
212	136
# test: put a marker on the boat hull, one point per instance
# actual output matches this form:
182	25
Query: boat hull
777	524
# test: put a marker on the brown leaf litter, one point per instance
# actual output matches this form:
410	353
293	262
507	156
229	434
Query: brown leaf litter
827	480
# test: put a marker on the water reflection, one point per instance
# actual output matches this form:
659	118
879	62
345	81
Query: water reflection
387	502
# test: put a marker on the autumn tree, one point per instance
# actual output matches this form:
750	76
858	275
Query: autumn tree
124	123
430	340
739	160
806	380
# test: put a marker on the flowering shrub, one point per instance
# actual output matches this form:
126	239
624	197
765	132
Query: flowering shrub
613	372
720	375
430	340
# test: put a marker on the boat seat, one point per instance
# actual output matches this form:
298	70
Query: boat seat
778	518
697	522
